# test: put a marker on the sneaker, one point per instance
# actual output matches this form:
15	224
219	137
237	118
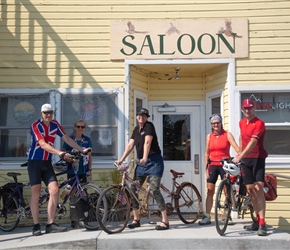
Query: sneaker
205	221
262	231
253	227
36	231
54	228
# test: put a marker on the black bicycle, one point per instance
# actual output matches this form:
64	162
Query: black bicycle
14	208
231	196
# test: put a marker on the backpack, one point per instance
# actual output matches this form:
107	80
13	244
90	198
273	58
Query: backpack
270	187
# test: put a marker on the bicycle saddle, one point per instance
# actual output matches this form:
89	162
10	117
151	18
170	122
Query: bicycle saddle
176	174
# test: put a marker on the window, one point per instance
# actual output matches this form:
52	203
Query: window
216	105
100	113
17	113
273	109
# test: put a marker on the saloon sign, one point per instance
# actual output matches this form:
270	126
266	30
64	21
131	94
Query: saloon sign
171	39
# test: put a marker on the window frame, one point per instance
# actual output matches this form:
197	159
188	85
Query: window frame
272	161
54	97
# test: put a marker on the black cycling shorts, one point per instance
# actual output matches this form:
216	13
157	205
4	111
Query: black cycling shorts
214	173
40	170
253	170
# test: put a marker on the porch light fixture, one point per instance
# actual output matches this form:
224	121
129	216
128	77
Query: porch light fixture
166	108
177	69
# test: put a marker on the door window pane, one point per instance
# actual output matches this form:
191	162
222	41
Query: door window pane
176	137
139	105
216	105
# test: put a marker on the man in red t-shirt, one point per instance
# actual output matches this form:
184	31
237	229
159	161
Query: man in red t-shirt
253	155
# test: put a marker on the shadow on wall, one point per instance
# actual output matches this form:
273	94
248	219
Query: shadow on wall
283	224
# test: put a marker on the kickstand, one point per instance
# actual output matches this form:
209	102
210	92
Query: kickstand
148	217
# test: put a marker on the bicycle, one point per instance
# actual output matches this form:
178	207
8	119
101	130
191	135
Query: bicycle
14	208
231	196
114	217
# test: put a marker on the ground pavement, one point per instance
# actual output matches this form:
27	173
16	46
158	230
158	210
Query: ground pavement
179	236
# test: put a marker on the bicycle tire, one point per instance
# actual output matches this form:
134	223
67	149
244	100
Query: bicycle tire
187	203
116	214
91	195
222	207
9	219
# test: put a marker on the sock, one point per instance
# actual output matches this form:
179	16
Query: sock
258	218
207	215
261	221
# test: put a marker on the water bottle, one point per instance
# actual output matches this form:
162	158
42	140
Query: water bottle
43	192
43	196
65	192
237	188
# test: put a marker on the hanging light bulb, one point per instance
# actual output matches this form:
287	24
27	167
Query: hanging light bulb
177	69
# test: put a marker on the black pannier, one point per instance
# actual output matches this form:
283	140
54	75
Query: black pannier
79	209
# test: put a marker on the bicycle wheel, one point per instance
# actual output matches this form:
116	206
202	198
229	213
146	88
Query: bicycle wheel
91	194
222	207
187	203
114	216
8	212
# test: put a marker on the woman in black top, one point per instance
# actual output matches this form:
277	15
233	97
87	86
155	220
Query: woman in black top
151	164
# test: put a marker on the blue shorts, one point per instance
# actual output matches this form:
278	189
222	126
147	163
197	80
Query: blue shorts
153	167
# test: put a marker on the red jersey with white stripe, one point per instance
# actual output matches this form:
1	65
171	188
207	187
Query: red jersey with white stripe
219	148
254	128
39	130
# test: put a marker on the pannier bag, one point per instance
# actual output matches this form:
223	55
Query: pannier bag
79	209
270	187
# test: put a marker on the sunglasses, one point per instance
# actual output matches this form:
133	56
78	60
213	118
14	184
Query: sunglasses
215	123
80	126
48	112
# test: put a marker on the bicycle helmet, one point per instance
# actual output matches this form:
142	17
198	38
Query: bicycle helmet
60	166
231	169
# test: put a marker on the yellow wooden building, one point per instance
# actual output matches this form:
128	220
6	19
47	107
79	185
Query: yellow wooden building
183	60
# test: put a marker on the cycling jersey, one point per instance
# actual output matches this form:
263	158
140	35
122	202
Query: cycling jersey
39	130
85	142
254	128
219	148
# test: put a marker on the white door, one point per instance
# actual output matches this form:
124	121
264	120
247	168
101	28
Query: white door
178	130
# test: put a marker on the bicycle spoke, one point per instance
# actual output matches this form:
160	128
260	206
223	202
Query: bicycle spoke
188	203
222	207
8	213
91	194
114	216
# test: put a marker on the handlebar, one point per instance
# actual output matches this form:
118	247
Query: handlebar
222	161
124	166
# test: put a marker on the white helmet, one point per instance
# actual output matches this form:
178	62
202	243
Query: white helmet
231	168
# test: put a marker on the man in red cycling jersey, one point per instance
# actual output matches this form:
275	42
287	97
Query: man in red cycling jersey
43	134
253	155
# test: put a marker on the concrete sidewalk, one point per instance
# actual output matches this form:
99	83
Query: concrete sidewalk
179	236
